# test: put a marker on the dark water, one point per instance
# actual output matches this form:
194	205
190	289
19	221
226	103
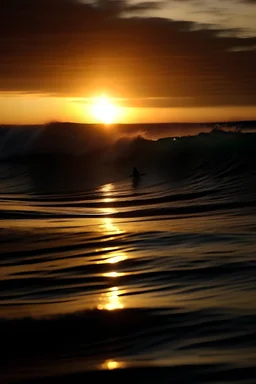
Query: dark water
152	281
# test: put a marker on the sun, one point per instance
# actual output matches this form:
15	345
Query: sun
104	110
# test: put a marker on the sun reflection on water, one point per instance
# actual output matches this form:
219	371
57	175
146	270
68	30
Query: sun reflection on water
108	200
109	227
106	189
114	258
113	274
110	301
107	194
117	259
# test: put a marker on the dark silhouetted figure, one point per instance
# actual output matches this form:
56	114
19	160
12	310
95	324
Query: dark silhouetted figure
135	172
136	175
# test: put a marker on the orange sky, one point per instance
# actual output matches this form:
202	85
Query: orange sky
182	66
38	109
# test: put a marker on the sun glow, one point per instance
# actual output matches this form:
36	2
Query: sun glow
112	364
104	110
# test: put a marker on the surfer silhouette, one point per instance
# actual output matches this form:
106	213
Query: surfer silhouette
136	176
135	172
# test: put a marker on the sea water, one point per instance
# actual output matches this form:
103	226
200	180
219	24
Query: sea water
149	280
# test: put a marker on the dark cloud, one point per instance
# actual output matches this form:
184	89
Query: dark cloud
119	7
248	1
67	47
200	2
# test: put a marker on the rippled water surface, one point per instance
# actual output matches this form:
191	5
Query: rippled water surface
159	273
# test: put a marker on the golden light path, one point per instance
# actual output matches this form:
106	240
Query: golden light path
110	300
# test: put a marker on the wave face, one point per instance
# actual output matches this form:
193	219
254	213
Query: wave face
120	279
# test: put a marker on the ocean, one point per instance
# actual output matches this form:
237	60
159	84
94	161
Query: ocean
104	277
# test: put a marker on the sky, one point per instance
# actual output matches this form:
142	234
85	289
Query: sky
159	61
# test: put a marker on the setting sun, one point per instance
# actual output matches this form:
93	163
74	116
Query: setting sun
104	110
